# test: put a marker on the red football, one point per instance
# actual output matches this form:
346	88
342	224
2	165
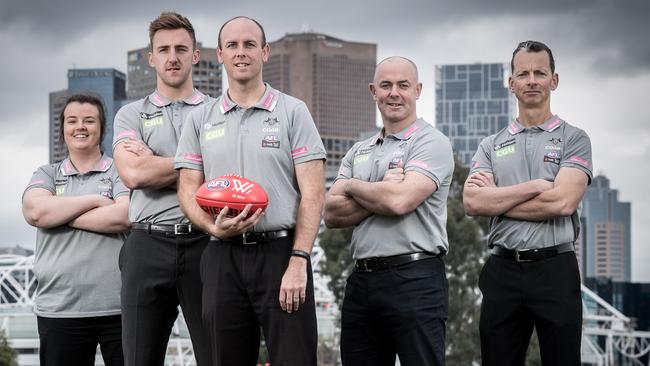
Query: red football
233	191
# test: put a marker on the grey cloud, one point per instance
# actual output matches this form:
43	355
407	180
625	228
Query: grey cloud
610	33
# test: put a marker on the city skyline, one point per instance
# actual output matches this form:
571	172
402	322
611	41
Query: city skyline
603	69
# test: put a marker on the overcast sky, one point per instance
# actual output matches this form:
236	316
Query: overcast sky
601	49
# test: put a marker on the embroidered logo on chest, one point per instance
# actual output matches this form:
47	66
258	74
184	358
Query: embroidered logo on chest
215	134
504	151
149	123
271	141
552	157
361	159
60	190
105	187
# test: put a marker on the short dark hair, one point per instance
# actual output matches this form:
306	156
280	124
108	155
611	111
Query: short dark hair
169	20
532	46
241	17
89	99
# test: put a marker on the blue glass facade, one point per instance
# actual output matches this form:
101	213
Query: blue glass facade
472	102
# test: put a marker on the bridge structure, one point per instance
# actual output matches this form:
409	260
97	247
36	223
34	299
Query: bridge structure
608	335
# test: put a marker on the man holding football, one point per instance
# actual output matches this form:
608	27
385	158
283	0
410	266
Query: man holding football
159	261
256	270
393	189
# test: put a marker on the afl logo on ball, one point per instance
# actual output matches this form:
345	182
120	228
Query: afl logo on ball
217	184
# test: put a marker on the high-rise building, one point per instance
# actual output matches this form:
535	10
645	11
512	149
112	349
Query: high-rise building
472	102
108	84
606	233
331	76
57	148
206	75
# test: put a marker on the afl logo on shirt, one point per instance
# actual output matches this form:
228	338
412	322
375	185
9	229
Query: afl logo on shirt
271	141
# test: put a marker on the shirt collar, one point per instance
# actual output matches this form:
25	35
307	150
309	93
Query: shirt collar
404	134
268	101
515	127
409	131
67	168
549	125
159	100
377	138
552	124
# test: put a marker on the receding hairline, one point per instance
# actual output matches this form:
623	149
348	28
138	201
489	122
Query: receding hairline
397	58
259	26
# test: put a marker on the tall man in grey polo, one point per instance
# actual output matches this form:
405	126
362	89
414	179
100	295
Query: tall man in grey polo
262	278
262	143
393	189
160	259
530	178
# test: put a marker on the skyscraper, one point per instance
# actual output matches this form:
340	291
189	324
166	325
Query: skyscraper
606	241
331	76
472	102
108	84
206	75
57	149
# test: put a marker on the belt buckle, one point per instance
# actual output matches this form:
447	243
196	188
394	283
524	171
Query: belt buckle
244	239
518	259
362	265
178	231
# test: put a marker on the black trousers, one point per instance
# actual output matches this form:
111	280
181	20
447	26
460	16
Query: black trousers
241	291
401	310
73	341
517	297
160	272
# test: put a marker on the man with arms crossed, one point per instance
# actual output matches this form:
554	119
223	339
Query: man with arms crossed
530	178
393	188
160	259
262	277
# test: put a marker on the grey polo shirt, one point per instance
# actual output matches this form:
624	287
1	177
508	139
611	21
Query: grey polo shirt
77	270
516	155
421	148
262	143
158	122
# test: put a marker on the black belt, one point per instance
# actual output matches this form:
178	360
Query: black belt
531	255
381	263
256	238
171	229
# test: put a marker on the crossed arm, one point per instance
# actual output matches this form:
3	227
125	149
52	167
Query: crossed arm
90	212
140	168
535	200
350	201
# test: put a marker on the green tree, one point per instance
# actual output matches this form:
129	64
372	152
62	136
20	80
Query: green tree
464	262
338	261
8	355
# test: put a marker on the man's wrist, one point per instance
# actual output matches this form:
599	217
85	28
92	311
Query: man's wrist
301	254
